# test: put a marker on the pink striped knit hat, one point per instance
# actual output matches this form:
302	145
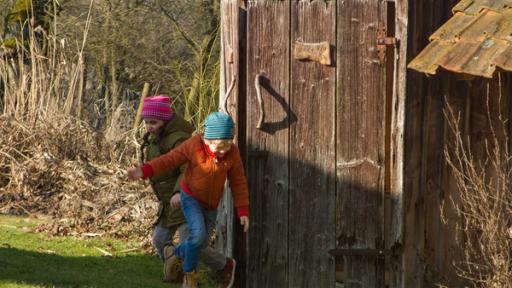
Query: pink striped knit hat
157	107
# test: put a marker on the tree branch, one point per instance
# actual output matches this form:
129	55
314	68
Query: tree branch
184	34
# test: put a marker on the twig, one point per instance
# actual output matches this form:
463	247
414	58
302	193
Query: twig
129	250
21	154
10	157
92	234
105	253
185	36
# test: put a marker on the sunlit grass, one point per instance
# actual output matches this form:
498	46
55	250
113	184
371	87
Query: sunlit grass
38	260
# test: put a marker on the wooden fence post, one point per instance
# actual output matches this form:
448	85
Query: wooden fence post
145	92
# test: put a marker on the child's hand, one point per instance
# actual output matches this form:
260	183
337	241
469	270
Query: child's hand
135	173
244	221
175	200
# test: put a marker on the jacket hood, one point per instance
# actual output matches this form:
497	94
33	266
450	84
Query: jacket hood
177	123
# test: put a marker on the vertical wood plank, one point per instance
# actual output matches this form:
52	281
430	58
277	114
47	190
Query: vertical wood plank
396	162
360	134
413	204
229	80
425	179
444	245
437	186
432	163
312	151
268	48
240	241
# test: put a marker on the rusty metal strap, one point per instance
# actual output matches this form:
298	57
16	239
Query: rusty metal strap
361	252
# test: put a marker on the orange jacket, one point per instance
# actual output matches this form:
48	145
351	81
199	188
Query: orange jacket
205	176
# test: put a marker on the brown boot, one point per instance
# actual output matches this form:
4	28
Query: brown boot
173	271
190	280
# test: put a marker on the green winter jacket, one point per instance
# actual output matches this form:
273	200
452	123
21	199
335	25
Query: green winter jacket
165	186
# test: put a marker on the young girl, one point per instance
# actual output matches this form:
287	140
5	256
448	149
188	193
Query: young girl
165	131
211	158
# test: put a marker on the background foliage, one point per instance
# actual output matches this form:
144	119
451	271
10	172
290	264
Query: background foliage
67	112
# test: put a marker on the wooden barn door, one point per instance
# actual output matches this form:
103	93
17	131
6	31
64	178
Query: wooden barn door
315	135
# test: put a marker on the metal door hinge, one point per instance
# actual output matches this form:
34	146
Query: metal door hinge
383	42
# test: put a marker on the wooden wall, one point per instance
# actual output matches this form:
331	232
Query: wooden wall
433	240
339	164
425	182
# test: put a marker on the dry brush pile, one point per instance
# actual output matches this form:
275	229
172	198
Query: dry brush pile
53	163
482	171
57	166
66	113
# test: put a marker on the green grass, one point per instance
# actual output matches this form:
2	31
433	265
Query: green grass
38	260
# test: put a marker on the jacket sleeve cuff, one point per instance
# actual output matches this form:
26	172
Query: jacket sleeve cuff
242	211
147	171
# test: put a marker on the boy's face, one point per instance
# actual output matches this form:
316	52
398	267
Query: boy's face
220	147
153	125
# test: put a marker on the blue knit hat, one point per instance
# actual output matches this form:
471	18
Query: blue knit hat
218	125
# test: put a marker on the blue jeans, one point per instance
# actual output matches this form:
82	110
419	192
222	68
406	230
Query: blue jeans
200	225
162	236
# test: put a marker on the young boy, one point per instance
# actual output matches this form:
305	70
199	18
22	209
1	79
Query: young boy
211	158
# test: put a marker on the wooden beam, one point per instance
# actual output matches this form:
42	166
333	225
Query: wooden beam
396	154
229	67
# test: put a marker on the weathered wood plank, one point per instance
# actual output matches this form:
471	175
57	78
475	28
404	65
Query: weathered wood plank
441	246
444	245
228	99
361	143
441	239
413	203
394	238
268	48
424	178
432	164
312	151
240	241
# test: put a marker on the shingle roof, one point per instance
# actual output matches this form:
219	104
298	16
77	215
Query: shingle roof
477	40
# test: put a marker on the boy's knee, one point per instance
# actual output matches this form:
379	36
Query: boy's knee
198	240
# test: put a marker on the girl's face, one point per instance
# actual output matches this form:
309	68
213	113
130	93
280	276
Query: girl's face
153	125
219	147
